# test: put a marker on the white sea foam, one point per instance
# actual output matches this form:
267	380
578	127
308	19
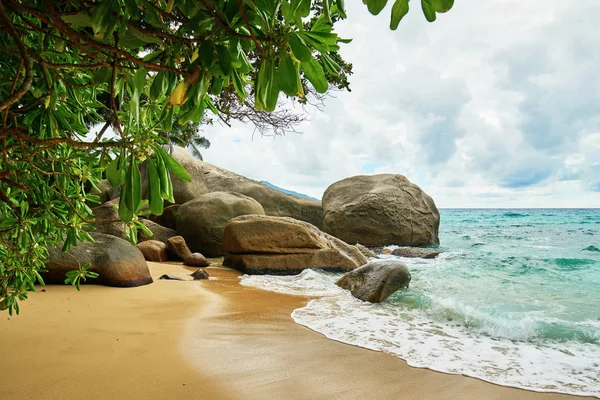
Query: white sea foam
461	342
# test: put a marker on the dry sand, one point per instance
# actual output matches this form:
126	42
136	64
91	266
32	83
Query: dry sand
199	340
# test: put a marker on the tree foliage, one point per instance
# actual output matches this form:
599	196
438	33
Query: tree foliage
147	70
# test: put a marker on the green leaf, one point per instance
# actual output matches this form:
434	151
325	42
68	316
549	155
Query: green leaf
428	11
101	16
375	6
205	54
159	85
304	8
224	58
239	85
399	10
286	75
112	172
314	72
172	164
125	212
341	8
154	197
301	52
81	19
136	185
143	37
441	6
330	65
139	79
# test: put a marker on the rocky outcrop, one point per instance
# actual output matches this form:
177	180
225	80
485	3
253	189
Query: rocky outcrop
107	221
168	218
178	247
160	233
154	250
415	252
196	260
202	220
386	251
118	262
377	210
105	191
259	244
209	178
376	281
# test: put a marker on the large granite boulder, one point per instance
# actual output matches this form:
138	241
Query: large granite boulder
377	210
168	218
202	220
107	221
215	179
118	262
375	281
178	247
160	233
260	244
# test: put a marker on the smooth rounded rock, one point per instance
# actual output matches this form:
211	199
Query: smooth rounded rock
178	246
378	210
376	281
196	260
118	262
154	250
201	221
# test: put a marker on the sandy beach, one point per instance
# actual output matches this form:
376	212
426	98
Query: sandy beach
201	340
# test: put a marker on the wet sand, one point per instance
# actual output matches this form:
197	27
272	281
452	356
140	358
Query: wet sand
199	340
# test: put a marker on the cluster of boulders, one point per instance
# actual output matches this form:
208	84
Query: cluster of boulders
260	230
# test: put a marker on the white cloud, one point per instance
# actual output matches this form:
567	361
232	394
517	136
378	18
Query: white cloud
493	105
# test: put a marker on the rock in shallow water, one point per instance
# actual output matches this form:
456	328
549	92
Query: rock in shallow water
376	281
415	252
170	277
199	275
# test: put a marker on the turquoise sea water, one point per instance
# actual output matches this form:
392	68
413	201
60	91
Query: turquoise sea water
513	299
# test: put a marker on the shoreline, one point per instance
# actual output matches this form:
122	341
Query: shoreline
211	339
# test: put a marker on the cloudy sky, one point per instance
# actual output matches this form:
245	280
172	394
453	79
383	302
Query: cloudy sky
496	104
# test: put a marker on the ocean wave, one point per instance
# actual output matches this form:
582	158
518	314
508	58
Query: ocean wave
514	215
450	347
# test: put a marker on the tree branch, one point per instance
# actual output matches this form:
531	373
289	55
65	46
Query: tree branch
24	54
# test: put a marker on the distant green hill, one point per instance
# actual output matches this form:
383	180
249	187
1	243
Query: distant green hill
288	191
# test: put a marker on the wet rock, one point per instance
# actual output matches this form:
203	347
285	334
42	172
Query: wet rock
170	277
376	281
415	252
196	260
199	275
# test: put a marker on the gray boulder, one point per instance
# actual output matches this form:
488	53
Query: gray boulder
215	179
168	218
202	220
377	210
118	262
199	275
261	244
107	221
160	233
376	281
